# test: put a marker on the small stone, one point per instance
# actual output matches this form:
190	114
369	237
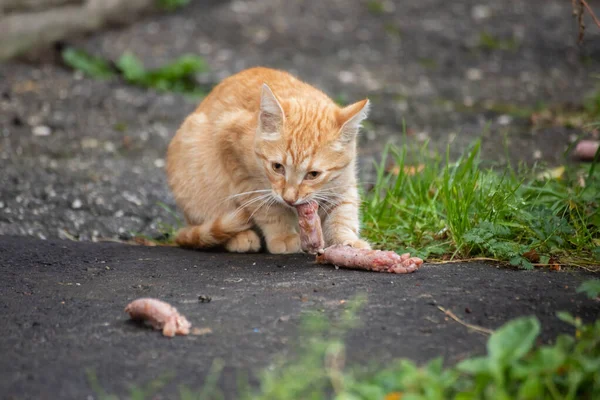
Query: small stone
346	77
480	12
1	204
89	143
159	163
537	154
474	74
76	204
41	130
132	198
109	147
468	101
335	27
504	119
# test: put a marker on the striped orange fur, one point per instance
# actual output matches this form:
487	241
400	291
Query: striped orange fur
261	142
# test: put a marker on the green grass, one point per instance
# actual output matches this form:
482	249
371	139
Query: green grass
516	366
375	7
176	76
490	42
447	209
166	231
170	5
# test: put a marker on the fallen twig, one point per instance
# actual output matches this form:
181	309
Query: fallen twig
470	326
591	12
578	12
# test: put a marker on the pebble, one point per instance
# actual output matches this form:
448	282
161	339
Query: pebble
474	74
89	143
41	130
480	12
110	147
159	163
537	154
76	204
132	198
346	77
504	119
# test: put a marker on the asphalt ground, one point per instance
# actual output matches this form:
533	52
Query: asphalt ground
63	308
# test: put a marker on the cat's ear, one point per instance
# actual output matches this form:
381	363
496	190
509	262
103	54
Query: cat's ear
350	118
271	116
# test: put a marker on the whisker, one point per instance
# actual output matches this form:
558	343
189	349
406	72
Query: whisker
327	203
268	199
245	193
251	201
273	201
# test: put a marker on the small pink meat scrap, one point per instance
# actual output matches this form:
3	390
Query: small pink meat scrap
311	235
160	315
372	260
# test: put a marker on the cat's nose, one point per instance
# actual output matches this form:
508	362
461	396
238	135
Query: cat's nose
290	196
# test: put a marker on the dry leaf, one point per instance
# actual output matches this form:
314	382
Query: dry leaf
393	396
143	241
532	256
409	170
553	173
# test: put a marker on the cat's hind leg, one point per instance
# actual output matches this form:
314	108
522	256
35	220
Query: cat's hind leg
244	242
214	232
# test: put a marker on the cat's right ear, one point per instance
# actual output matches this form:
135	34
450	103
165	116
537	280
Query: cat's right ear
271	115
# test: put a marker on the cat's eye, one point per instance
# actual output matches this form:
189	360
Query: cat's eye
312	175
278	168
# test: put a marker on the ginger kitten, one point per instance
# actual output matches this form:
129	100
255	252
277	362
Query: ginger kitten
261	142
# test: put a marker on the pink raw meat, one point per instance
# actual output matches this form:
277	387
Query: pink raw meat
311	240
372	260
160	315
586	149
311	235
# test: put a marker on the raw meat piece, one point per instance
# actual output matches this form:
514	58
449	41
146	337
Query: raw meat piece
311	240
586	149
311	235
372	260
160	315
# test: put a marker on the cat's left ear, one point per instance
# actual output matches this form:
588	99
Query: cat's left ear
271	114
350	118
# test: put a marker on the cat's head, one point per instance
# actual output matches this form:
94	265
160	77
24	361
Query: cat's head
306	147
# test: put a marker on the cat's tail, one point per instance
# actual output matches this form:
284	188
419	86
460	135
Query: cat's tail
213	232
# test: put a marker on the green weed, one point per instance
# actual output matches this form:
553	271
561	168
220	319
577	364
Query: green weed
591	288
375	7
95	67
490	42
170	5
460	209
177	76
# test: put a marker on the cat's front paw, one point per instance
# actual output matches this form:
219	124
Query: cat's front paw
357	243
284	245
244	242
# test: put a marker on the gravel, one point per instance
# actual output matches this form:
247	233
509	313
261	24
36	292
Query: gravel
84	159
